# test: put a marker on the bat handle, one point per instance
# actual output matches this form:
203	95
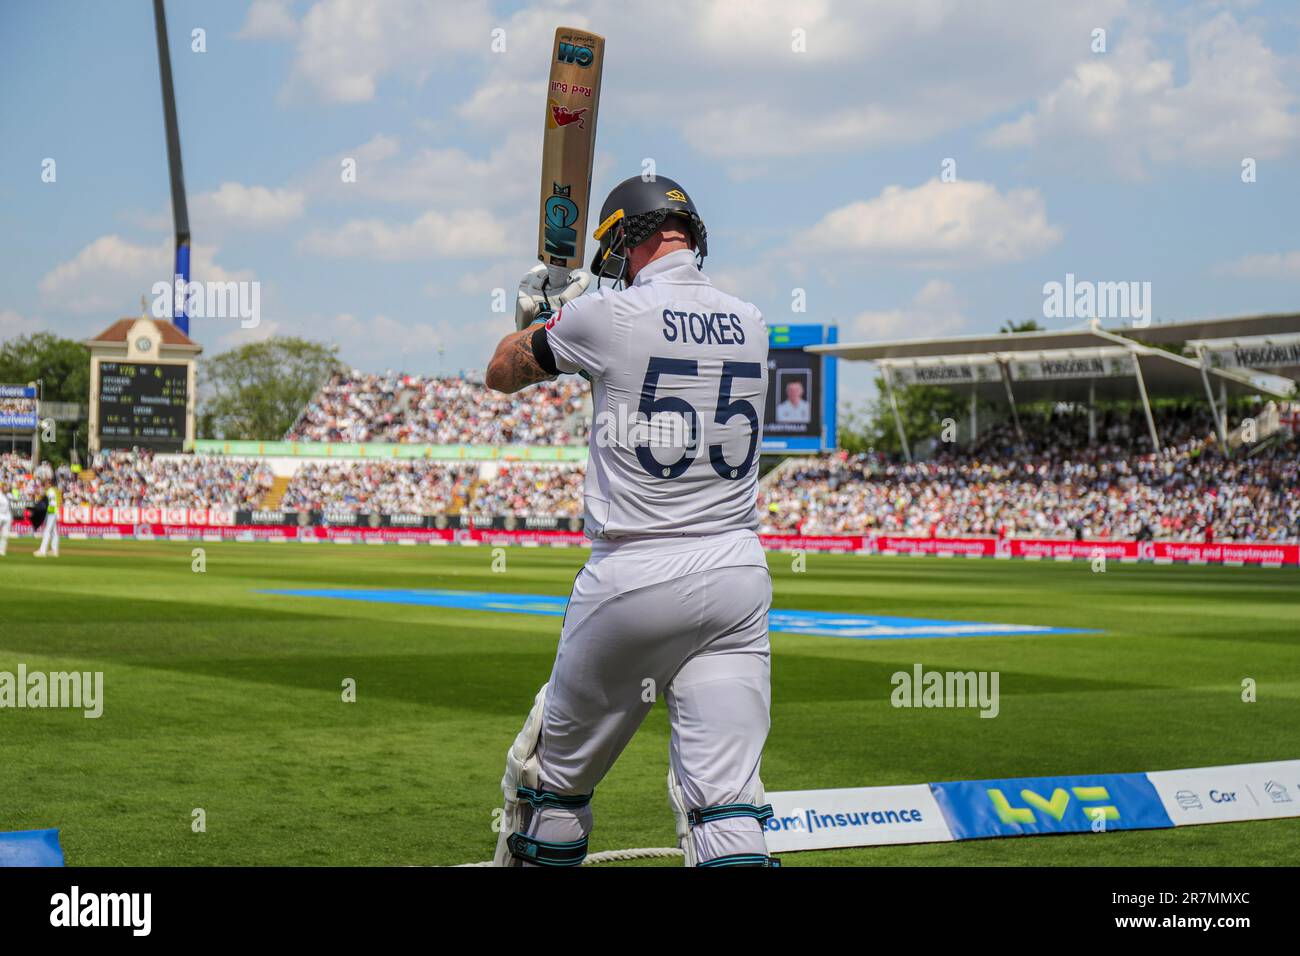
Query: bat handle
559	277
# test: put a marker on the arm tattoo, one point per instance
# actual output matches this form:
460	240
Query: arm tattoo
513	366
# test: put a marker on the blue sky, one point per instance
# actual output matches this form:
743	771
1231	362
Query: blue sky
811	134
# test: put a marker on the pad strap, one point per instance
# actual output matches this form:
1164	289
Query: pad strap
544	853
742	859
729	811
540	799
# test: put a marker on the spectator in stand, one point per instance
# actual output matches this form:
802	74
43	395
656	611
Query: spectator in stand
529	490
443	411
386	487
140	478
1051	483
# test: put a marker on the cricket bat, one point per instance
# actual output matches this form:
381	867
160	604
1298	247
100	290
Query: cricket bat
568	147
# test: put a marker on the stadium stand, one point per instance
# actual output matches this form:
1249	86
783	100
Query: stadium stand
526	490
16	475
447	411
392	487
1051	484
139	478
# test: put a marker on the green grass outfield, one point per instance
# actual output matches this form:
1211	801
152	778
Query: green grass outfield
221	698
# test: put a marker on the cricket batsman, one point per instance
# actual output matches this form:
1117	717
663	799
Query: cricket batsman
674	598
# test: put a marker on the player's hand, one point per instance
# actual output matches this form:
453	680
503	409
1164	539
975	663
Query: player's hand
537	299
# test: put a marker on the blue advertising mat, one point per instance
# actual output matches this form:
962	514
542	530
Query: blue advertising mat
816	623
30	848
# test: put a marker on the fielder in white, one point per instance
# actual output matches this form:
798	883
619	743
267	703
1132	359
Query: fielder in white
675	597
50	529
7	501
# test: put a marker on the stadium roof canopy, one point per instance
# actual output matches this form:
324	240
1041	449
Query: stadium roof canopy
1090	363
1171	333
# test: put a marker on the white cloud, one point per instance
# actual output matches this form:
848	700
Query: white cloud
374	342
269	20
460	234
12	325
345	47
447	177
249	207
110	274
1128	105
1274	265
727	77
935	310
961	223
238	335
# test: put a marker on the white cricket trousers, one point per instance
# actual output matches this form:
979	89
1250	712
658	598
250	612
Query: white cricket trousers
685	618
6	523
49	536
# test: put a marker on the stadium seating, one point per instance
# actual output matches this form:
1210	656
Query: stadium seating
442	411
139	478
1052	483
1044	480
392	487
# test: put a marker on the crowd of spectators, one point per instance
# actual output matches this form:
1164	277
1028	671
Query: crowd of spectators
529	489
389	486
19	482
1043	479
139	478
442	411
1048	481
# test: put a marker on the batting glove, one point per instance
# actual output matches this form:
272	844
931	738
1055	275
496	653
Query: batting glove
537	299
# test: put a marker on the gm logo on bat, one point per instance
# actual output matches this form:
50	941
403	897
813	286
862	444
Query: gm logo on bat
572	53
561	213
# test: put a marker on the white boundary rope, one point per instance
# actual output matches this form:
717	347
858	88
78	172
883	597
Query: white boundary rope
610	856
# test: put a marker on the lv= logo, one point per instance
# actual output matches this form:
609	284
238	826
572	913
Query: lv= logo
1054	807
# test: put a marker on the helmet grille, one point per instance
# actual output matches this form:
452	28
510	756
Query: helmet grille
639	228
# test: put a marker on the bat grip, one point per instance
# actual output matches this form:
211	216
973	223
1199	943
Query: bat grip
559	277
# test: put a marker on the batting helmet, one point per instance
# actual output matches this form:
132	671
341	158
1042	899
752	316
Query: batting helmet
635	210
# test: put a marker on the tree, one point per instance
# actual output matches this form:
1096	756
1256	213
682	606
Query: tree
257	390
1029	325
63	368
922	408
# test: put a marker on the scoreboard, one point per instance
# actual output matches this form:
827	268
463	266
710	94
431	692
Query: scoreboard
143	404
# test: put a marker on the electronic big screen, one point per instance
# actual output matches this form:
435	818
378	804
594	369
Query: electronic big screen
794	396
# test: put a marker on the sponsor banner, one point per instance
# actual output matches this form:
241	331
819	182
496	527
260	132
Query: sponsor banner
368	535
1260	553
1252	791
857	816
824	542
1054	368
1279	351
18	408
983	547
1031	806
1087	550
1026	806
485	528
940	372
130	515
